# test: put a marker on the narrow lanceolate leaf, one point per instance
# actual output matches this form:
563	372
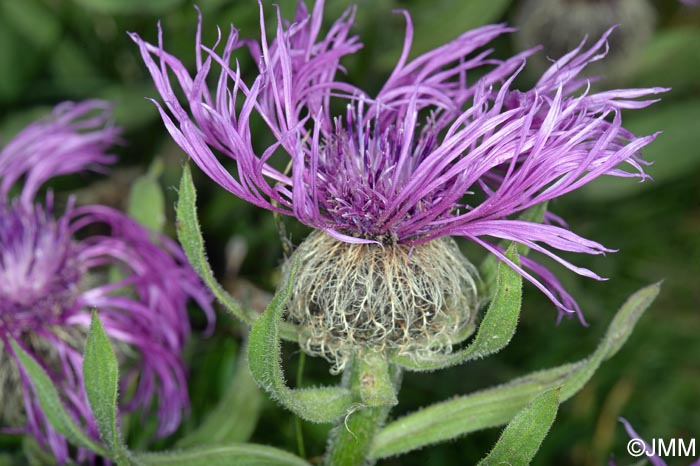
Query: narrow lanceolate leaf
235	416
627	317
495	331
101	375
324	404
497	406
51	403
190	237
522	438
146	202
240	455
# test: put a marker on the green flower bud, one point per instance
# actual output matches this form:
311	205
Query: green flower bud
560	25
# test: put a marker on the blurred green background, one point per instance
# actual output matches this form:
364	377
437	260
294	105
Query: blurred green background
55	50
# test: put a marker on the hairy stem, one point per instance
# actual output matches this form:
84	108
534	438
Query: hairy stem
297	420
375	381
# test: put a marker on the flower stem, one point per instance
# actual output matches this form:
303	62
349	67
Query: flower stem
297	420
375	381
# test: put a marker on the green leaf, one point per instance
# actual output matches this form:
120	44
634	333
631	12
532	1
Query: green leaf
626	318
239	455
101	374
190	236
496	406
324	404
522	438
235	416
146	201
495	331
51	403
115	7
675	152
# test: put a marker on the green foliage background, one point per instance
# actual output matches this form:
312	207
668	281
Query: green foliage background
54	50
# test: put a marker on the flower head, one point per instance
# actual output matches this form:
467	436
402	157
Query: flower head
434	153
56	266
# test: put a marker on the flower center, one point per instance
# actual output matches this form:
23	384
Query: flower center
407	300
361	168
39	273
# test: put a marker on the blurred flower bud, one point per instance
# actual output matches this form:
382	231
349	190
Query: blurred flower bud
560	25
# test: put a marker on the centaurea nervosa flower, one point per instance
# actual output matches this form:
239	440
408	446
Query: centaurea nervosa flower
56	266
434	154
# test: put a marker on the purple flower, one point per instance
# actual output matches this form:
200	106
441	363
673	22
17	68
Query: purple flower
436	152
57	266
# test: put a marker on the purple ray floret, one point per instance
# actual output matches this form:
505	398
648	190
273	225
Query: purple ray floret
436	152
55	267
